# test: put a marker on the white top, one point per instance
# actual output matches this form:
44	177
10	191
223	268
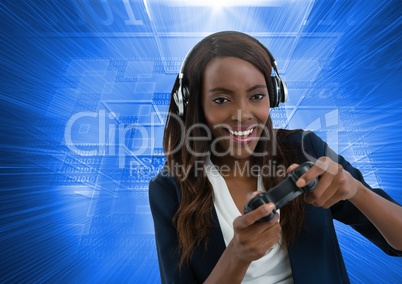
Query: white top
271	268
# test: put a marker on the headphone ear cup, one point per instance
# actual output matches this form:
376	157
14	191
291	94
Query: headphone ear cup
279	91
274	95
185	94
180	98
284	91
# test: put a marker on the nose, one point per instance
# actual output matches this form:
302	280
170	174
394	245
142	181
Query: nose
241	114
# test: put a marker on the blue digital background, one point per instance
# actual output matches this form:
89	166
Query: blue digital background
84	91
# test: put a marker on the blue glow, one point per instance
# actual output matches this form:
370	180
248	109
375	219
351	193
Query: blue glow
100	73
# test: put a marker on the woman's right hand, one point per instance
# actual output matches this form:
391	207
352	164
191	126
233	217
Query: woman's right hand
253	240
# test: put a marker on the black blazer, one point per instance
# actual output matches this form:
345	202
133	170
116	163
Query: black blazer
314	258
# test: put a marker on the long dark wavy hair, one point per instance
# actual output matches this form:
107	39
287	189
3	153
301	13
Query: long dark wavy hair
193	219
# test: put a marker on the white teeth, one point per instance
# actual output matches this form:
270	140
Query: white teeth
241	133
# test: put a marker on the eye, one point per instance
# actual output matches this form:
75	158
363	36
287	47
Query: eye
220	100
258	97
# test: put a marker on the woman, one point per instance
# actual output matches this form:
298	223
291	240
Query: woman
221	150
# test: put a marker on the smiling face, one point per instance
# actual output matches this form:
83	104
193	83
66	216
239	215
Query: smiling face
236	106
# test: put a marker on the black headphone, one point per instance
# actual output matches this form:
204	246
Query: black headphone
278	91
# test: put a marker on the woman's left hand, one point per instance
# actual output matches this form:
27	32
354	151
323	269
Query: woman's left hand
334	183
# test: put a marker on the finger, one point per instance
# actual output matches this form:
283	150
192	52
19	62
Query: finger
335	198
331	201
261	241
321	166
266	233
260	228
323	199
340	191
323	184
267	239
330	190
271	236
255	215
250	195
256	233
333	195
291	168
273	221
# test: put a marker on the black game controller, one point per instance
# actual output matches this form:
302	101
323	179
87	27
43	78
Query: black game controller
282	193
